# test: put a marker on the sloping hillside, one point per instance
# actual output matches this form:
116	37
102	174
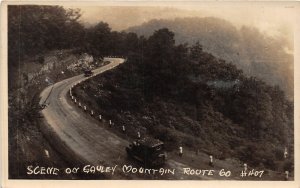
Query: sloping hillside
195	100
255	53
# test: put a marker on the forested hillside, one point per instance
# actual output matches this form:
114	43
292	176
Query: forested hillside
183	94
186	96
256	53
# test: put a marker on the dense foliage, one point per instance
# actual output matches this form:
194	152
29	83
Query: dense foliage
190	96
35	29
256	53
195	99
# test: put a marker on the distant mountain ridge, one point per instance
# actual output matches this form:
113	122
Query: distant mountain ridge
255	53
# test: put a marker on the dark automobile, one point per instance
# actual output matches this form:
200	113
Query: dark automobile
148	151
88	73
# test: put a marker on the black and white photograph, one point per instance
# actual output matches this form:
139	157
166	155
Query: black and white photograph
151	91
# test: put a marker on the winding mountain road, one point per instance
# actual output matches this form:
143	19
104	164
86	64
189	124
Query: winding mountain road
83	135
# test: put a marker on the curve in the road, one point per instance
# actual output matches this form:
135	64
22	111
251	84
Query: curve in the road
83	135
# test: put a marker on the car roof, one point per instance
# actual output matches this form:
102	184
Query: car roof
150	142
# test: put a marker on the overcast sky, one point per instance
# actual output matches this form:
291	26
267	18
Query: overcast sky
272	18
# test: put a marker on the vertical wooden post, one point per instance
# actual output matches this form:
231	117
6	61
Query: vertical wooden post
286	175
180	151
245	167
211	161
285	154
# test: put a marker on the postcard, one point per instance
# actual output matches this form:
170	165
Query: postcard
164	92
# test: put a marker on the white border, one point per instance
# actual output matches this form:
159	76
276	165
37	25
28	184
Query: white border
139	183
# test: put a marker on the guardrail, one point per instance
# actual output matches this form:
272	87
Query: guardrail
89	110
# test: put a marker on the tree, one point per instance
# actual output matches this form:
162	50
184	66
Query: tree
165	64
97	39
74	30
196	50
33	29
